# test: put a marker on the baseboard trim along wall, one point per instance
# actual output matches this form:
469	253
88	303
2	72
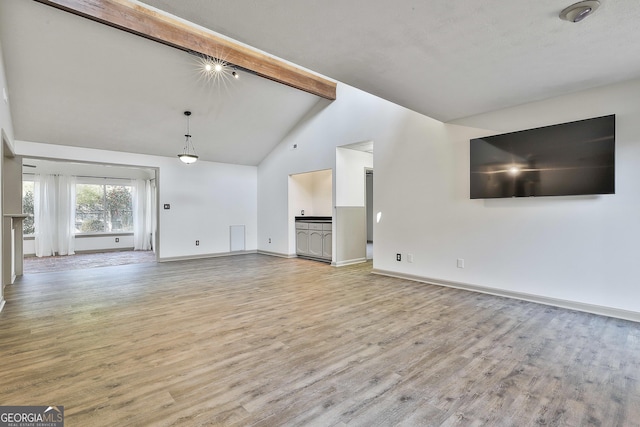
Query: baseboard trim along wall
572	305
201	256
278	254
2	305
349	262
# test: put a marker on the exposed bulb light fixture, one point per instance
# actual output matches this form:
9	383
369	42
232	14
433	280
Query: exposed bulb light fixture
578	11
216	69
188	154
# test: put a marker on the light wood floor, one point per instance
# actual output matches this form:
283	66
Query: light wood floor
254	340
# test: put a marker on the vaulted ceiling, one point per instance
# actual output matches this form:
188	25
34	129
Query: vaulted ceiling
76	82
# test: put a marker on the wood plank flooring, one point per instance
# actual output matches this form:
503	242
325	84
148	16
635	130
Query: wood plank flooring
254	340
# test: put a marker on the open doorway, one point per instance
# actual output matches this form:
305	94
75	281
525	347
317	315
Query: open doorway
87	215
352	234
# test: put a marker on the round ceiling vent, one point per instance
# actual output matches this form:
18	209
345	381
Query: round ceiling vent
577	12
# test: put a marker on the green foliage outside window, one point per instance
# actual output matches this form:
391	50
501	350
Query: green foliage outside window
100	208
28	226
103	208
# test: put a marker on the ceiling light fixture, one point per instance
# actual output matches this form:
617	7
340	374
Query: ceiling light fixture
188	154
216	69
578	11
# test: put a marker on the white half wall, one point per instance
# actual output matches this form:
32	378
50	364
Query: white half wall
206	198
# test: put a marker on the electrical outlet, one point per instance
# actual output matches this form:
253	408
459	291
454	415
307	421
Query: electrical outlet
460	263
398	257
117	240
167	206
269	239
197	242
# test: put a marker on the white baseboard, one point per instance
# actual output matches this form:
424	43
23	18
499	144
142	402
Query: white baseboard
2	302
572	305
278	254
349	262
203	256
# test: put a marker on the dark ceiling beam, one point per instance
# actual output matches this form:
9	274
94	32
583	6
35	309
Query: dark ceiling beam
139	20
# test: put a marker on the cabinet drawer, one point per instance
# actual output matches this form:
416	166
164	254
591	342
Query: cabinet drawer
302	225
315	226
327	227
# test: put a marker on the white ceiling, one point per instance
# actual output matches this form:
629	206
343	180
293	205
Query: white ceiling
76	82
447	59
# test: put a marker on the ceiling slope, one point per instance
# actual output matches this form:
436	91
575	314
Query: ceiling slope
446	59
75	82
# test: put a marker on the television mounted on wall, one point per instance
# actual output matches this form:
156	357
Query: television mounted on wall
568	159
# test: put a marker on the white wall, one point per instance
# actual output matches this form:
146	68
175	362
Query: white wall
350	176
6	129
206	198
89	244
580	249
311	192
322	193
6	123
354	117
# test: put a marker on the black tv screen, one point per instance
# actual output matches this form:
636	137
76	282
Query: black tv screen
575	158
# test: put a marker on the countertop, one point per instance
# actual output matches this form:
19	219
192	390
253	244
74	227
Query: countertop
314	218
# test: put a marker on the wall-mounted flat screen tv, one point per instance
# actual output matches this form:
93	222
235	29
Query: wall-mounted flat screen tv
568	159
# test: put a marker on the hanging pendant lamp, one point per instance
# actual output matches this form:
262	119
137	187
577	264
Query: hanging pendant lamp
188	154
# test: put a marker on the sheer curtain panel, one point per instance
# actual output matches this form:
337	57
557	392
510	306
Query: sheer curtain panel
44	214
54	205
66	217
142	215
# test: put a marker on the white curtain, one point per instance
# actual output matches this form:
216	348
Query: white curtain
154	217
54	215
143	218
66	218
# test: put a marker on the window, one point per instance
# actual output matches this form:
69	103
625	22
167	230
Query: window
103	208
28	227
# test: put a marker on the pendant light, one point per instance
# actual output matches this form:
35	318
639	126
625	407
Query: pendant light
188	154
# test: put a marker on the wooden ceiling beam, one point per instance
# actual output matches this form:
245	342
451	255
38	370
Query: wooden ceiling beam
139	20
